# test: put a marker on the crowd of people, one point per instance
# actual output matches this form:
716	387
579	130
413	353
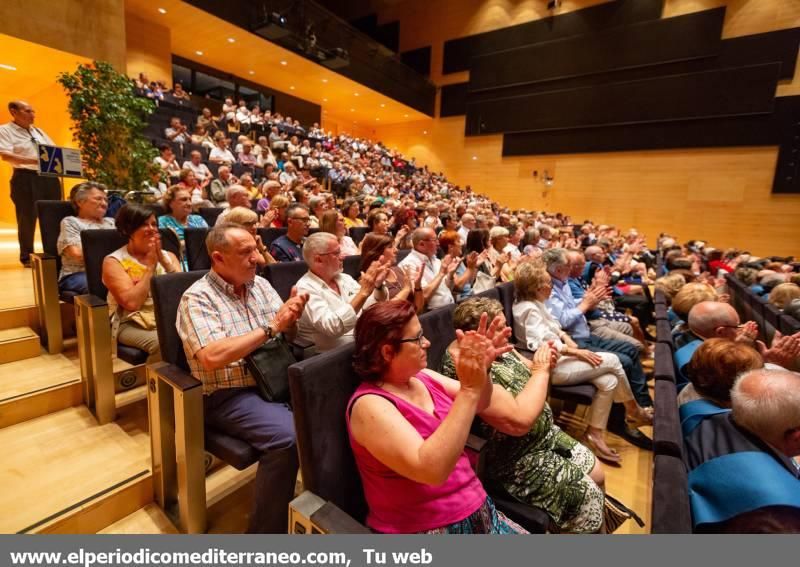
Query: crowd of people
581	315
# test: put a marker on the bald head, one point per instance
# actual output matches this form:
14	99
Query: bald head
710	319
595	254
22	113
767	403
577	263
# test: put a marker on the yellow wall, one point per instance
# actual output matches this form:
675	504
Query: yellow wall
723	195
91	28
149	49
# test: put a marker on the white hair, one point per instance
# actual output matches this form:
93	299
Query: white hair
555	257
767	402
232	190
497	232
317	243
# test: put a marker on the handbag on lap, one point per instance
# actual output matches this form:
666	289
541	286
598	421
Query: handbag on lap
269	364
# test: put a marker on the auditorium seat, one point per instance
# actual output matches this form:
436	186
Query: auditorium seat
195	248
671	513
210	214
283	276
667	436
46	267
351	265
664	365
357	233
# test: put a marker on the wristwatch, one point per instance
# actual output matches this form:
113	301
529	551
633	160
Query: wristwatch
269	332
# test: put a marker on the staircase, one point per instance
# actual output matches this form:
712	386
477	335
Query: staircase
61	472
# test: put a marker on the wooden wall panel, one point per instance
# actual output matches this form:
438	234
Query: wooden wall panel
149	49
722	195
90	28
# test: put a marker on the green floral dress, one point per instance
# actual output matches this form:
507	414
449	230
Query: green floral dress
545	467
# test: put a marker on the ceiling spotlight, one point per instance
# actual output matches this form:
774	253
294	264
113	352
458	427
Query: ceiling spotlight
352	110
251	72
474	157
424	131
324	100
378	119
199	52
553	4
324	80
284	63
7	67
405	115
162	11
355	94
383	105
291	88
231	40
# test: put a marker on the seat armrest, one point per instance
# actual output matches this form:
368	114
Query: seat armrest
175	376
44	256
301	348
90	301
476	451
310	514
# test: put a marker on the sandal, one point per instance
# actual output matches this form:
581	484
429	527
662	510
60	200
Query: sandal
643	416
602	452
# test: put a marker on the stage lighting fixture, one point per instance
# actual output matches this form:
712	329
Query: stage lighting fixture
273	27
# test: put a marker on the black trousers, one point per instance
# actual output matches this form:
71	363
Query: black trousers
27	187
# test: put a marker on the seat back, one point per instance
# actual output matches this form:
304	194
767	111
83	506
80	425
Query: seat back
50	215
437	326
284	275
195	248
401	255
269	235
667	436
321	387
357	233
352	265
97	244
506	296
210	214
167	291
671	512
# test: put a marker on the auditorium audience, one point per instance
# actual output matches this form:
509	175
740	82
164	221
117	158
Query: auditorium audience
531	457
90	204
335	299
333	222
289	247
783	294
178	203
437	276
223	317
401	283
742	464
127	273
408	426
535	326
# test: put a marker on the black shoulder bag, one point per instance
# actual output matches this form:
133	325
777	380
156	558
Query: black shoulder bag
269	364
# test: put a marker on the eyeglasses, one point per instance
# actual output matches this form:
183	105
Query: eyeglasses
418	339
301	219
740	326
338	252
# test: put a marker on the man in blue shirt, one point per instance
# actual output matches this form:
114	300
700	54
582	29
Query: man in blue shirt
572	317
289	247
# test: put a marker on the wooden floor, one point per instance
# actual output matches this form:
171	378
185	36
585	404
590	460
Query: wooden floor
32	375
55	463
16	284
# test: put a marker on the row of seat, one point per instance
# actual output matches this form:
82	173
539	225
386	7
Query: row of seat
671	512
751	307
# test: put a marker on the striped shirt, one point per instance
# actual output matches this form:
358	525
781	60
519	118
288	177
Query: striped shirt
210	311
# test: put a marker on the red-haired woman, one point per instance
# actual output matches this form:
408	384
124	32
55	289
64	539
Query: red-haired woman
408	426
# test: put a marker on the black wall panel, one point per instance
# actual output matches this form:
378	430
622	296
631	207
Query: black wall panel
418	59
778	46
457	52
388	34
727	92
780	128
623	47
454	100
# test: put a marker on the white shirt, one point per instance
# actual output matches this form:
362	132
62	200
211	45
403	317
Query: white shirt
16	140
328	319
218	154
442	296
201	171
463	231
534	325
171	167
511	250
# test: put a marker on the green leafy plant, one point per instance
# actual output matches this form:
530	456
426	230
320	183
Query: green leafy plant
108	123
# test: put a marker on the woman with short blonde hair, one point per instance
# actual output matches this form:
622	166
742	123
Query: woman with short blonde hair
783	294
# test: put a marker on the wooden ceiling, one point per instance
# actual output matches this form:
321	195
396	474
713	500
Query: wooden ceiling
256	59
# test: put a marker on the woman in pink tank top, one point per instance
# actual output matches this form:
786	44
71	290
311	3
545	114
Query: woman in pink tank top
408	427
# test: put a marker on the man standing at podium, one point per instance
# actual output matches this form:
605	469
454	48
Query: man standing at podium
18	141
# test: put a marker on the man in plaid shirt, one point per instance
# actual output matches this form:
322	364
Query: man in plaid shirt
222	318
